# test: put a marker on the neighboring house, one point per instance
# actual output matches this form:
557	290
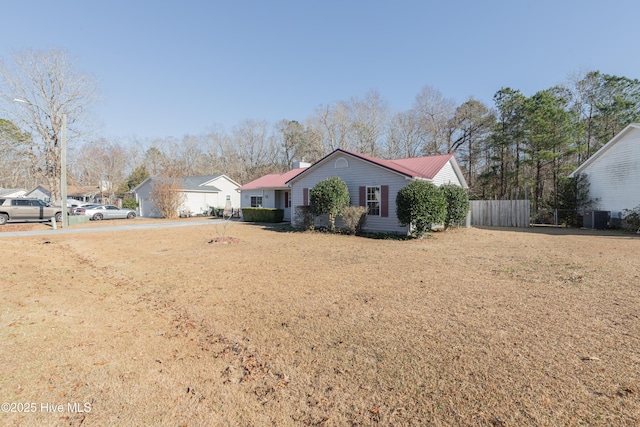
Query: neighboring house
40	192
374	182
80	193
200	193
271	191
12	192
614	172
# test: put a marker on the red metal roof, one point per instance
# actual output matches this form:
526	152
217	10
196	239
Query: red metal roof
414	167
273	180
425	167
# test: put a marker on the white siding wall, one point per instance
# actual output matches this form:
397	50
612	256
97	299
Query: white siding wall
358	173
268	198
146	207
227	188
447	175
615	176
198	203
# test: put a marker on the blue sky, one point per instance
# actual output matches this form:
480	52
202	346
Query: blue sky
175	68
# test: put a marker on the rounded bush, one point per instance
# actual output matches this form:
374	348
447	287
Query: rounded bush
457	204
329	196
421	205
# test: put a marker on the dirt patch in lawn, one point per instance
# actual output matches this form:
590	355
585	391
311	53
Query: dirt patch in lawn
493	327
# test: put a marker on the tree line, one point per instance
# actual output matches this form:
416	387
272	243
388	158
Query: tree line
518	147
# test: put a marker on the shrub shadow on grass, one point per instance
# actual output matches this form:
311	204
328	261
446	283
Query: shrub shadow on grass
288	228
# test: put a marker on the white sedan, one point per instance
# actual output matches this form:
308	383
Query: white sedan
101	212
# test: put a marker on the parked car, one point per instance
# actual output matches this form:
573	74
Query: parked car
27	209
101	212
74	210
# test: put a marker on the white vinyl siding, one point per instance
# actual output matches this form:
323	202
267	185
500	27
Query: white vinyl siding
268	198
199	203
614	177
446	175
358	173
227	188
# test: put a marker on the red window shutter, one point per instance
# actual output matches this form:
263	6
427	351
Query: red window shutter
363	196
384	202
305	197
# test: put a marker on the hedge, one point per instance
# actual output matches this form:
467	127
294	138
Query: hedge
262	214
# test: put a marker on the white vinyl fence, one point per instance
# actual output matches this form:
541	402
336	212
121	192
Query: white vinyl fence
500	213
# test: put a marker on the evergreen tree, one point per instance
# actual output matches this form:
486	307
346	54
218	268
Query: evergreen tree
548	124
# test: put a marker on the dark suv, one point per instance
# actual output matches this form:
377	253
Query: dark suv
24	209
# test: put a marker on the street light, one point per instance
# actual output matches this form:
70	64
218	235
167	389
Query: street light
63	164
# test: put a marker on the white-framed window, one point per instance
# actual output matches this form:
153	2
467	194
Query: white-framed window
373	201
256	201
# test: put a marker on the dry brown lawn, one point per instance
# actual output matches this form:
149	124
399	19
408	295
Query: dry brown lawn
487	327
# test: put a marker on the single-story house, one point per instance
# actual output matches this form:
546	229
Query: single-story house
80	193
271	191
12	192
200	195
375	182
613	172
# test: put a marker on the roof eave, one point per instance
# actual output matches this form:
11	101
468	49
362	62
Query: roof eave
603	149
364	159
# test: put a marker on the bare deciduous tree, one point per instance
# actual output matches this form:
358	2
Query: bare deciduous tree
368	118
434	112
256	149
331	125
103	164
49	87
166	196
404	136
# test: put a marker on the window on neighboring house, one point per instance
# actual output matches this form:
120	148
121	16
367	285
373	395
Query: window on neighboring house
373	201
256	201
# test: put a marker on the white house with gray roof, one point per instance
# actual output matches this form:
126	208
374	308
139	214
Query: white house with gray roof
200	195
12	192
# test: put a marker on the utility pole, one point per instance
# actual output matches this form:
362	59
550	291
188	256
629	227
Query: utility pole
63	171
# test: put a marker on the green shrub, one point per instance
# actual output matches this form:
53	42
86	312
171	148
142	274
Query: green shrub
632	218
421	205
129	203
330	196
262	214
457	204
304	217
354	218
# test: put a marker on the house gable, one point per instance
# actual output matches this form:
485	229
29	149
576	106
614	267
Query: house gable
361	176
614	172
375	180
200	194
416	167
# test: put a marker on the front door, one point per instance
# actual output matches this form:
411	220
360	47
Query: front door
287	205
